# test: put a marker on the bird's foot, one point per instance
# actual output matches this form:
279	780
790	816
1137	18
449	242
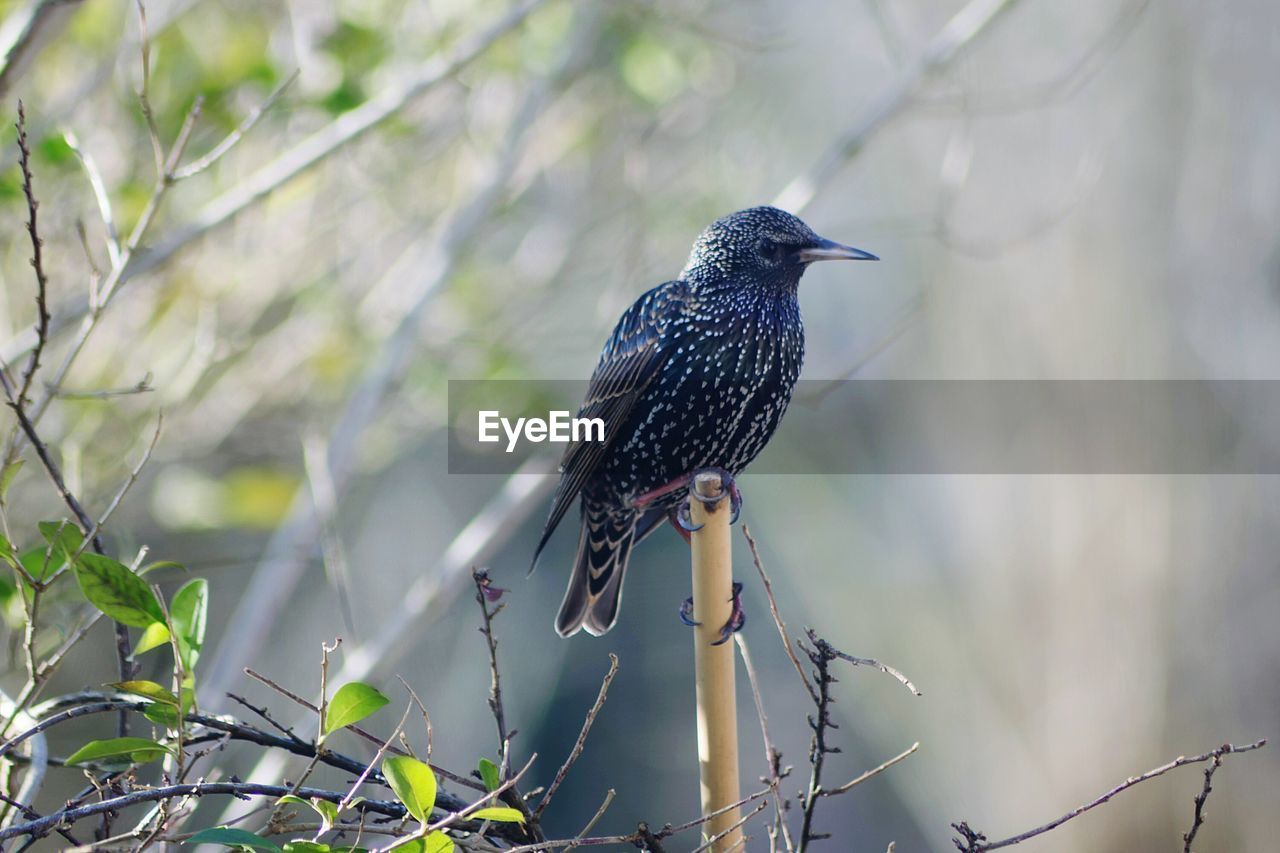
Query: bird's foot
737	616
728	486
680	520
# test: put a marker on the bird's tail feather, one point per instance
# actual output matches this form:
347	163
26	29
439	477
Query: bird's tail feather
595	587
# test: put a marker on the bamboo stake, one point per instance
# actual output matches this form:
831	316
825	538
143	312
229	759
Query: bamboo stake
713	665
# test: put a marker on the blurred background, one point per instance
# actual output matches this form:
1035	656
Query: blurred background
468	189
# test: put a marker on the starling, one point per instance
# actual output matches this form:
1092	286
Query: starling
697	373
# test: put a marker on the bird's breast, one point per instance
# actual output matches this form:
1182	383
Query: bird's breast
717	400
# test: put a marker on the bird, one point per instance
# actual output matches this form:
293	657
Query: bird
697	373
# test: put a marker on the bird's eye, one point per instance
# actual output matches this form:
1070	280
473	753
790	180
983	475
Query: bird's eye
769	250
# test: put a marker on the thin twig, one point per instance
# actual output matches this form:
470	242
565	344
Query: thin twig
31	814
266	716
219	151
37	261
963	27
736	825
67	817
821	655
373	762
422	709
972	841
642	834
772	756
132	478
142	386
451	819
356	730
595	818
883	667
582	736
484	589
777	618
80	705
100	196
144	37
875	771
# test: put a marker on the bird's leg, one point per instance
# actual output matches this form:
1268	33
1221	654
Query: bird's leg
679	518
644	499
737	616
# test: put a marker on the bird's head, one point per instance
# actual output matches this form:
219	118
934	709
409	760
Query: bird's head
762	245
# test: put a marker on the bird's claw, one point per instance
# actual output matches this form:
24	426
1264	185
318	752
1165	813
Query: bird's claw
684	521
727	485
737	616
686	613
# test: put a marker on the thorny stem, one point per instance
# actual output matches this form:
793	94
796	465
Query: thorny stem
486	592
485	589
821	656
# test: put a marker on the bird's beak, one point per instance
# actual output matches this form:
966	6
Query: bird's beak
829	250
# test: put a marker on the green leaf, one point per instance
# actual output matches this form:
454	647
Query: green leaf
328	812
498	814
116	591
153	636
414	784
39	563
64	538
229	836
160	564
8	474
137	750
489	774
188	611
165	715
7	552
306	847
438	842
351	704
146	689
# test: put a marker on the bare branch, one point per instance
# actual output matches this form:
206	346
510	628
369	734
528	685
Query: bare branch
220	150
100	195
883	667
1201	798
37	262
777	618
356	730
26	32
582	736
772	756
484	591
738	824
963	27
595	818
875	771
196	789
972	841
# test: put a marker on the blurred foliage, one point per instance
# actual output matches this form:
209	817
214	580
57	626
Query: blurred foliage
1089	191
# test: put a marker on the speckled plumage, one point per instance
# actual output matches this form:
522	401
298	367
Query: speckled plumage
697	373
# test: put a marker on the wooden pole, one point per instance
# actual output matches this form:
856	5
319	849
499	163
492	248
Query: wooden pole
713	665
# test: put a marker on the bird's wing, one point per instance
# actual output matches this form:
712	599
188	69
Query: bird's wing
632	356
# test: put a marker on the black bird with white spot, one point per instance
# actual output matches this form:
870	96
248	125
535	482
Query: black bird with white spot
697	374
